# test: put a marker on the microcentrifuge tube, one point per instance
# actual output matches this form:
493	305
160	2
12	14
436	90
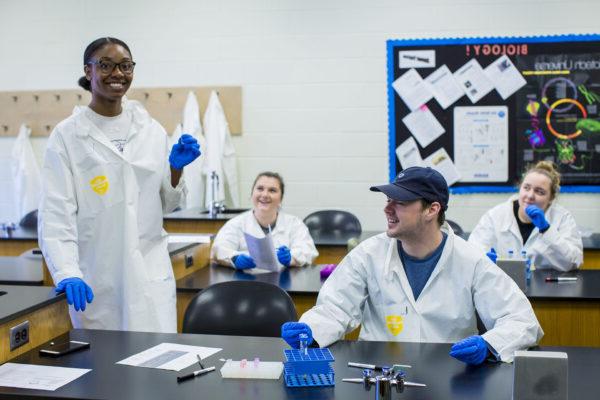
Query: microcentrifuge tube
303	343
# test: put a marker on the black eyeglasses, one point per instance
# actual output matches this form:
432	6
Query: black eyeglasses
107	66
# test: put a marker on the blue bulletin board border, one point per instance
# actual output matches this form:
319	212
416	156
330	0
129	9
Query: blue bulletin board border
393	43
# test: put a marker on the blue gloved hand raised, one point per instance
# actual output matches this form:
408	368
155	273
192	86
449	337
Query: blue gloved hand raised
184	151
492	255
242	261
284	255
536	215
472	350
290	332
78	292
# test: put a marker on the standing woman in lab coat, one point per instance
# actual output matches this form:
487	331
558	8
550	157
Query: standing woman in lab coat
108	177
291	238
533	222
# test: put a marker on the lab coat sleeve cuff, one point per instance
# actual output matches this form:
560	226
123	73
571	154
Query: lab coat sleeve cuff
64	274
298	257
494	356
319	335
181	184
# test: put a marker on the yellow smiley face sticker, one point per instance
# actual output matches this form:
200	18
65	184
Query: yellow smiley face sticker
99	184
394	323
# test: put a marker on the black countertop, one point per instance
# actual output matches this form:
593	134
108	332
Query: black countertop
295	280
201	214
24	270
21	300
307	280
177	248
19	233
445	377
585	288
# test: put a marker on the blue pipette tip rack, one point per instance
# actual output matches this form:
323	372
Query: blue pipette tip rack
306	370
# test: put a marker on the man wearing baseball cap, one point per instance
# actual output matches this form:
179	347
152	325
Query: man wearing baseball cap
419	282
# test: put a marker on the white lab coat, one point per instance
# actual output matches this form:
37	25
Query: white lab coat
193	171
369	287
101	216
27	184
289	231
219	154
560	247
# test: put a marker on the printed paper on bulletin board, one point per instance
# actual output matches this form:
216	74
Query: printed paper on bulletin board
497	106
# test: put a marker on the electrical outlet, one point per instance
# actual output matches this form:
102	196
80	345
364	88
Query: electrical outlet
19	335
189	260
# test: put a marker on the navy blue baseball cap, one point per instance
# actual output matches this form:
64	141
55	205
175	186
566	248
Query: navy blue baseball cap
416	183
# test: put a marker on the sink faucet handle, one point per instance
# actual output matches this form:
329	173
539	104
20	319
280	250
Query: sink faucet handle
8	226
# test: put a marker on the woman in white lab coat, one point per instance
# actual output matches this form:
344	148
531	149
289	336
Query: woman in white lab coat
292	241
107	179
533	222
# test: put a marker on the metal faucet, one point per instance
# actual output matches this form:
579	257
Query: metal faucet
214	207
8	227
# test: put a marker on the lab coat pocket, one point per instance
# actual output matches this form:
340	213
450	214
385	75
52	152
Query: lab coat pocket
102	187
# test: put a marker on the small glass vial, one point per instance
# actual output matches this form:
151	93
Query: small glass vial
511	254
303	343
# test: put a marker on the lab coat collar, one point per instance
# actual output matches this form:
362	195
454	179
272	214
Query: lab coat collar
393	263
140	119
255	227
510	224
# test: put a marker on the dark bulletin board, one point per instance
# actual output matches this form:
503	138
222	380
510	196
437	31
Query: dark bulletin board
555	116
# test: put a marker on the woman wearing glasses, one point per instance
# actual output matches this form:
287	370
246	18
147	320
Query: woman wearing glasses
108	176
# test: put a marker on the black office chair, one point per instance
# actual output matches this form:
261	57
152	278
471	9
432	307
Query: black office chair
244	308
333	222
455	227
29	220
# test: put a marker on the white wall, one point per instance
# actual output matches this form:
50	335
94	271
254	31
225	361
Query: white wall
313	74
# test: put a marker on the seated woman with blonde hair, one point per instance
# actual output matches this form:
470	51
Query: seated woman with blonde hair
293	243
533	222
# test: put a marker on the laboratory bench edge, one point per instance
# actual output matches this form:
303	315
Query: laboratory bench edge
445	377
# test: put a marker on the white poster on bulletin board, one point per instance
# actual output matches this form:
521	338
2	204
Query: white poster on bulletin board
481	143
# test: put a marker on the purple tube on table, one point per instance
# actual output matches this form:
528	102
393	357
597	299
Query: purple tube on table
327	270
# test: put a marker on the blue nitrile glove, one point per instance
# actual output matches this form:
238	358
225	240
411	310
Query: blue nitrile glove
492	255
78	292
536	215
290	332
472	350
242	261
284	255
184	151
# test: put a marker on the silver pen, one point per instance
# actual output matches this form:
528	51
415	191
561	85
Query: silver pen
373	366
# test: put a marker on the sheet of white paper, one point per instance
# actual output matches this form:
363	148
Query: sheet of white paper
408	154
444	87
481	143
262	251
473	81
254	271
505	77
189	238
412	89
171	356
39	377
423	125
441	162
416	59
